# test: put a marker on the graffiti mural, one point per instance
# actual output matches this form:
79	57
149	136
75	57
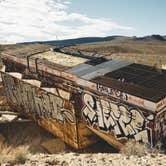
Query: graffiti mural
110	116
112	92
37	102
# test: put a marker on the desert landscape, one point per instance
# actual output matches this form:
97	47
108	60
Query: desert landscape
25	143
148	50
82	83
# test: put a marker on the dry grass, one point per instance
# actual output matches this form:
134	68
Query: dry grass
140	149
135	148
164	144
144	52
13	155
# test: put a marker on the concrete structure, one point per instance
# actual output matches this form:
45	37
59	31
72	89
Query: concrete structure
77	97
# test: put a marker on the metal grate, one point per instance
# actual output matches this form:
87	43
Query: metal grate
136	79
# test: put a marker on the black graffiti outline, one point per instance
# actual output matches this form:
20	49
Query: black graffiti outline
41	112
111	128
94	107
112	92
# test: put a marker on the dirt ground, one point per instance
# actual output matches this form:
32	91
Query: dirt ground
45	150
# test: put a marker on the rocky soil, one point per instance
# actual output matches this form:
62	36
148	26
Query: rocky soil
99	159
39	148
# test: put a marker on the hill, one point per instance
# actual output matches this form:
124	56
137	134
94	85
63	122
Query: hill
84	40
149	50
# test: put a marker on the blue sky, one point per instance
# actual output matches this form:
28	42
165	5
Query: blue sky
41	20
145	16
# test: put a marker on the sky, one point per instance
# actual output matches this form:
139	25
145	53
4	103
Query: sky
41	20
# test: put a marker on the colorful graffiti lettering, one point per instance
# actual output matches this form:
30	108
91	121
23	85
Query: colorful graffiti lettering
110	116
39	103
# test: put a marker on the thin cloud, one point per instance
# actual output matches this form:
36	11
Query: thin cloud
39	20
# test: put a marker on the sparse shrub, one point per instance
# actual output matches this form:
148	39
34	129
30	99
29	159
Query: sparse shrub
164	144
12	155
160	147
140	149
135	148
21	154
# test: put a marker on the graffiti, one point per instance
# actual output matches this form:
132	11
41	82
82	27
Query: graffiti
110	116
37	102
160	125
161	104
112	92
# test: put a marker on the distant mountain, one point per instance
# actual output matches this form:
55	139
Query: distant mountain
84	40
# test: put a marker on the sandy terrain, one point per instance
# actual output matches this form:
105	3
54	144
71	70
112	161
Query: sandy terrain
45	150
99	159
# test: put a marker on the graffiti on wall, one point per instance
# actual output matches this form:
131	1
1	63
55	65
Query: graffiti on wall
161	104
112	92
111	116
39	103
160	125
